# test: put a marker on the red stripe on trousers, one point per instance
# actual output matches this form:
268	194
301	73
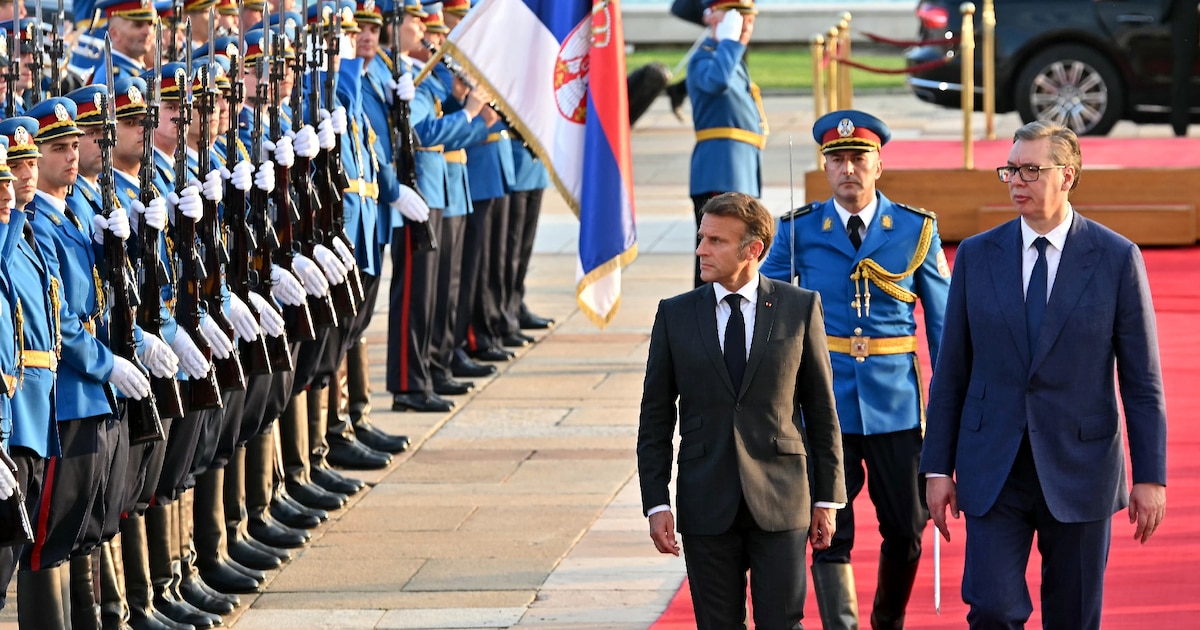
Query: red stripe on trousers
39	538
405	309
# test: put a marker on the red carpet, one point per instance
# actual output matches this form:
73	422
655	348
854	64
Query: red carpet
1155	585
1097	153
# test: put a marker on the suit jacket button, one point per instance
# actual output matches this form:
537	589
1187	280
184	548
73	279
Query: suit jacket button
738	407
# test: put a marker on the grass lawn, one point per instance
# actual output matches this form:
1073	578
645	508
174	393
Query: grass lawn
784	69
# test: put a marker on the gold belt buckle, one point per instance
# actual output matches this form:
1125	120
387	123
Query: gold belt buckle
860	347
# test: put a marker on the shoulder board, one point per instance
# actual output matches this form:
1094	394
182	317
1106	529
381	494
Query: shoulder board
921	211
54	219
801	211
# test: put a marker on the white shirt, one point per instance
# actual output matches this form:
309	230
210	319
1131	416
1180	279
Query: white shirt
1029	253
749	293
867	214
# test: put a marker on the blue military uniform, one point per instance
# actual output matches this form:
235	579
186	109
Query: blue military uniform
727	113
869	293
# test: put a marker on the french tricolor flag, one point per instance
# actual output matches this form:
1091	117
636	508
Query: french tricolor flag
557	67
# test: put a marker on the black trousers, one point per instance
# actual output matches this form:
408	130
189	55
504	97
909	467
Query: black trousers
527	205
143	471
717	566
887	464
31	474
219	438
105	519
473	330
412	296
180	453
69	491
258	395
698	202
449	291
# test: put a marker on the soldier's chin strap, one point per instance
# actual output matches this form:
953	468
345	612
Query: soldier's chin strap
869	271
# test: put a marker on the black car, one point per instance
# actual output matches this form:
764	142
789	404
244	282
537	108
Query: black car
1083	63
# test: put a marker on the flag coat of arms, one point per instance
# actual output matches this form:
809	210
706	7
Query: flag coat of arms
557	69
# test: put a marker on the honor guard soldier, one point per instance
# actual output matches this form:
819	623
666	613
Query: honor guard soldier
871	259
24	83
731	126
38	312
17	437
130	25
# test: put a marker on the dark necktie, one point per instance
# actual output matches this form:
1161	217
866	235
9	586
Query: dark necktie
1035	295
735	341
852	230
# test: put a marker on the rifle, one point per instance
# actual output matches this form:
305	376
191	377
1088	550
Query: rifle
13	72
229	370
144	422
404	142
300	318
148	266
173	23
242	241
329	217
56	51
323	313
202	393
279	348
38	61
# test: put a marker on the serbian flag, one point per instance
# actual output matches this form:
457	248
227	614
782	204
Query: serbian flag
557	69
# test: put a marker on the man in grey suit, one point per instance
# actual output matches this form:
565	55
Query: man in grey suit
754	419
1023	408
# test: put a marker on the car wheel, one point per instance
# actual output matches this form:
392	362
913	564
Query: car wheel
1073	86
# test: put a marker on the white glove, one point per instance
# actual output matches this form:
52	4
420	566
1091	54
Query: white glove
157	356
335	271
264	177
325	133
189	203
242	176
191	361
306	144
285	287
730	27
343	252
242	319
117	222
311	275
130	381
411	205
213	186
8	483
156	212
221	345
268	318
404	89
283	152
340	124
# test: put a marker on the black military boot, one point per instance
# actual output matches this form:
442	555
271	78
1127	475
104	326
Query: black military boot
192	587
85	601
114	612
139	589
258	486
40	601
344	448
837	601
892	592
358	386
209	538
295	434
165	570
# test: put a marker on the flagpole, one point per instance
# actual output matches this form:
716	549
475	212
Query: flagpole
429	66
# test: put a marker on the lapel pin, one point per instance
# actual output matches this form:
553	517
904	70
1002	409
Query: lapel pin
766	303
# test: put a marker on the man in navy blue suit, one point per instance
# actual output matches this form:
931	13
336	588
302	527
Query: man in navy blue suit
1023	408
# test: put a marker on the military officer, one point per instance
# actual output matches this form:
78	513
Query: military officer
731	127
130	26
871	259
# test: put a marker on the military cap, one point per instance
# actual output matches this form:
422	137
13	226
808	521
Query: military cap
369	12
174	76
194	6
20	131
220	47
227	7
165	9
28	27
56	119
741	6
197	78
136	10
6	174
411	7
434	22
87	104
349	24
850	129
456	7
254	5
131	96
319	12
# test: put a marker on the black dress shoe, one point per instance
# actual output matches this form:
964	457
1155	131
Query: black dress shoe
515	340
533	322
335	481
378	439
284	498
276	534
495	353
355	455
451	387
315	496
250	557
464	367
421	402
197	596
183	612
